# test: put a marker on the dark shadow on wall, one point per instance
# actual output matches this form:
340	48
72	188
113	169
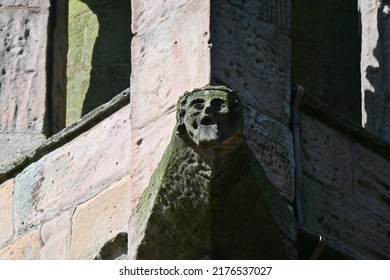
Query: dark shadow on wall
325	45
375	100
384	37
57	50
111	60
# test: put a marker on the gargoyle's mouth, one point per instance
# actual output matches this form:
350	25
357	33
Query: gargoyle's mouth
207	135
207	120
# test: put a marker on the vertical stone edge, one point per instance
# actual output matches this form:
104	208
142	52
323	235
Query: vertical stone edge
56	67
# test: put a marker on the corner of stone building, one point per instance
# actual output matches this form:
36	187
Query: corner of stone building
251	53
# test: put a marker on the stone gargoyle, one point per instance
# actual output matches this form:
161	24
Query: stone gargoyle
209	198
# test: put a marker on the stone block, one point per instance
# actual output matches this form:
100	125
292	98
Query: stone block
146	14
346	191
6	212
55	236
327	155
277	12
167	60
73	173
372	179
100	219
251	56
15	147
273	146
25	248
23	71
26	3
148	146
348	222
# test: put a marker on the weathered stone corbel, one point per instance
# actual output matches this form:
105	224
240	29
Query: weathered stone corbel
209	197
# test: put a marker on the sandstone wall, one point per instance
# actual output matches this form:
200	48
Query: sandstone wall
189	56
99	54
73	194
23	27
346	183
170	54
32	90
23	79
251	54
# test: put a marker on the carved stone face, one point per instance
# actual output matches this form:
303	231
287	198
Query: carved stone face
211	117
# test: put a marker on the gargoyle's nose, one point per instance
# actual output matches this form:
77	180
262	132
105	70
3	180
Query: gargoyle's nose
207	109
207	120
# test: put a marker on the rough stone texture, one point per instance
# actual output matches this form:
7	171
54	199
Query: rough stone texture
252	56
24	78
55	237
373	195
278	12
168	59
326	52
26	3
6	212
147	152
25	248
74	173
15	148
272	145
346	191
346	183
100	219
99	54
23	71
335	171
147	13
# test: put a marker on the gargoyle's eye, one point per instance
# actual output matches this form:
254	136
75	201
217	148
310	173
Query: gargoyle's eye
218	104
197	104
